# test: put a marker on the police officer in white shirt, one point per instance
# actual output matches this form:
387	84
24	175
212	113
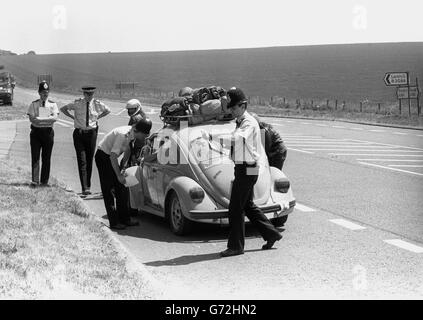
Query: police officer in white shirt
86	113
246	153
42	115
114	144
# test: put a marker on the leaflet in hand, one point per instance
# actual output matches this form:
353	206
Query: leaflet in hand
44	113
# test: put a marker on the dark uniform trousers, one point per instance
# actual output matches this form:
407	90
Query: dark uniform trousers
111	189
241	204
84	142
41	140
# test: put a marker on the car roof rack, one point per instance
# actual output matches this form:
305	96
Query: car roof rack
194	120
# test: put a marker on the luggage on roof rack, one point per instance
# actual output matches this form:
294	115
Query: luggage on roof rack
202	105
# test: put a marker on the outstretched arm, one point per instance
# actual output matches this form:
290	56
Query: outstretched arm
65	111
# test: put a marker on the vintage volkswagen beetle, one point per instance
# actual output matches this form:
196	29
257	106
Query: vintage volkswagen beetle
186	175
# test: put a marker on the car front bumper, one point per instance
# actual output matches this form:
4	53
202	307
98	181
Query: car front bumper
223	213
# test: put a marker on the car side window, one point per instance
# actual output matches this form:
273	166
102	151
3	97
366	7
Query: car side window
159	142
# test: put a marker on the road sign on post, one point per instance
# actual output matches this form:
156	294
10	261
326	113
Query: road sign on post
396	78
402	92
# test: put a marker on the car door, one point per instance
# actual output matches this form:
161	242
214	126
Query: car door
149	169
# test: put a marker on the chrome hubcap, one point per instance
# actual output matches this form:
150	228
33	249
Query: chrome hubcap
176	213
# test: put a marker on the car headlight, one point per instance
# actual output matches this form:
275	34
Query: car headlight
282	185
196	194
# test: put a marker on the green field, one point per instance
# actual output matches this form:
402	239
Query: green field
352	73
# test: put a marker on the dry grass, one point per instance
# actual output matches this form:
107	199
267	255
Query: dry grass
50	249
387	118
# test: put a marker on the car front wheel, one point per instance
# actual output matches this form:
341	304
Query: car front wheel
179	224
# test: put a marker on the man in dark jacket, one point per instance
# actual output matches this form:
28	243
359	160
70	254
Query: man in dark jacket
275	148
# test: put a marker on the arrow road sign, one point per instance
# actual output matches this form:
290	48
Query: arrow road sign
402	93
396	78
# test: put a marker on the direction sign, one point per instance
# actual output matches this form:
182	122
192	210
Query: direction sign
395	78
402	93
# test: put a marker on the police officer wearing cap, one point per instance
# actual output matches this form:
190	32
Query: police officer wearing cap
245	153
113	145
42	114
86	113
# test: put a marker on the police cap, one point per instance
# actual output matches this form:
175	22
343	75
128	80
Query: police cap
43	86
88	89
236	96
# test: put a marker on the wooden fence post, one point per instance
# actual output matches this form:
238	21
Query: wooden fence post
361	106
378	107
336	104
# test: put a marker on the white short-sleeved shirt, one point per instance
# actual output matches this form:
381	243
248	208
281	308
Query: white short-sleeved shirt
247	140
79	107
117	140
50	109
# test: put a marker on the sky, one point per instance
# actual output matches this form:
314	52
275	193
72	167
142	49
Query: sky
80	26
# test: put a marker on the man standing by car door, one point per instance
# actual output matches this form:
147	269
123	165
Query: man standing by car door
245	153
86	113
42	115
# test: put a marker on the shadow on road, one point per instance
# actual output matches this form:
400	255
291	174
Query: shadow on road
157	229
184	260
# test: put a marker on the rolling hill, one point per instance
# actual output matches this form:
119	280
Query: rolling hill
352	72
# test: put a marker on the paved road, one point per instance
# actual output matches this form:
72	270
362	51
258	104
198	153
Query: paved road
356	233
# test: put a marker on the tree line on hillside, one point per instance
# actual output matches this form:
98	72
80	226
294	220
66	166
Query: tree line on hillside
10	53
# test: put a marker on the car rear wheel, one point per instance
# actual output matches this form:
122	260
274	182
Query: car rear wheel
179	224
280	221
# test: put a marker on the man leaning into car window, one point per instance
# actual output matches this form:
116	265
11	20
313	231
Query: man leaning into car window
245	153
112	180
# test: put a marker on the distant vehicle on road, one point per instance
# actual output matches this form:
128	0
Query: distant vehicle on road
187	174
7	86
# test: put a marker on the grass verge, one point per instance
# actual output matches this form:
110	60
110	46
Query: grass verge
333	115
51	249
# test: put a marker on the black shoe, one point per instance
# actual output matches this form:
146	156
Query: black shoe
45	185
269	244
86	192
131	223
33	184
118	226
231	252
